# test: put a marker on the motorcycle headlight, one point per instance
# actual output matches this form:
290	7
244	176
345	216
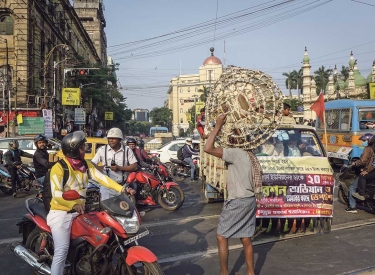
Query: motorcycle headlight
131	225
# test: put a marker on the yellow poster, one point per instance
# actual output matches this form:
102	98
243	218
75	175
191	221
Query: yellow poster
188	116
19	119
198	106
71	96
372	90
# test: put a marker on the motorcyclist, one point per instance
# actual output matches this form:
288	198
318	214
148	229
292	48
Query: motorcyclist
40	158
140	151
141	160
118	157
58	219
367	173
188	152
13	161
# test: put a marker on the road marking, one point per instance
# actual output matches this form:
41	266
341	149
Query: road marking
179	221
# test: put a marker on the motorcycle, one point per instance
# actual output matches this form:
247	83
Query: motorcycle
346	177
181	169
102	241
156	186
25	174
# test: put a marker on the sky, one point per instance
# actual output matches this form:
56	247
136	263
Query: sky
330	32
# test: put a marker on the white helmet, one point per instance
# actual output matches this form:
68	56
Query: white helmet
115	133
188	141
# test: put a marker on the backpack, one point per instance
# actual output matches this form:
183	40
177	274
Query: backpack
180	154
47	193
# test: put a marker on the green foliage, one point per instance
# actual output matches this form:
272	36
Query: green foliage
191	111
345	72
161	116
290	82
321	79
134	128
294	103
205	91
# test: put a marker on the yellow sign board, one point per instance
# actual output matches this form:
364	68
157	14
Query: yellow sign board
372	90
71	96
188	116
108	116
198	106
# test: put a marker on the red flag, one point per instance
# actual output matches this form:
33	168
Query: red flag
318	107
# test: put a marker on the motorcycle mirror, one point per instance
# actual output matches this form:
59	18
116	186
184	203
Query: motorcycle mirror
71	195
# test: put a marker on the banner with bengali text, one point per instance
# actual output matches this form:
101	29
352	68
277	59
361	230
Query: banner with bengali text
296	187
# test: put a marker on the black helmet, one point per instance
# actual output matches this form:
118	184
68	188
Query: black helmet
13	142
131	140
71	143
140	143
40	138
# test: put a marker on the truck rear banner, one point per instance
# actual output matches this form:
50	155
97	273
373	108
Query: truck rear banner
296	187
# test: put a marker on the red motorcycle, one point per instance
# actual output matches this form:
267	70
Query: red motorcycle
156	186
102	241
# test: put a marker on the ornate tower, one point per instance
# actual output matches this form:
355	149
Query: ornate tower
91	14
306	84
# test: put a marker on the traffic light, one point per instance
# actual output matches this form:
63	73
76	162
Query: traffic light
80	72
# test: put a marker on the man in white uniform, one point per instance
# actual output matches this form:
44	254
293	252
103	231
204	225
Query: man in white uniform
117	161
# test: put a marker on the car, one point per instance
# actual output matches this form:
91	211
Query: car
26	143
92	145
168	150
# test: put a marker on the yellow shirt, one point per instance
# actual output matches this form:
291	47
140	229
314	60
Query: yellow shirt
287	120
77	181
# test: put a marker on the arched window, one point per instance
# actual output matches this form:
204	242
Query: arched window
6	25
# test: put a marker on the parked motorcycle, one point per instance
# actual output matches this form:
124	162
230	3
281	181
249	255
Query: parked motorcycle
346	177
102	242
156	186
26	176
181	169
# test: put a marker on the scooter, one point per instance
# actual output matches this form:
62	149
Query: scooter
26	176
346	177
102	241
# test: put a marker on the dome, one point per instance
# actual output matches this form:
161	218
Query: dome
351	60
306	58
212	60
341	84
359	80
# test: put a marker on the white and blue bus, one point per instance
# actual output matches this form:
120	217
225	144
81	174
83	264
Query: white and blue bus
158	129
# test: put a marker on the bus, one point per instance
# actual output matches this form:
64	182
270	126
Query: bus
158	129
346	121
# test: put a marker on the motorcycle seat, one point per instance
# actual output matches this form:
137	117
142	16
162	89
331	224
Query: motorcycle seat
38	209
180	162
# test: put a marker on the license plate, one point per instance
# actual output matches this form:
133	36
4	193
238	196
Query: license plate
136	237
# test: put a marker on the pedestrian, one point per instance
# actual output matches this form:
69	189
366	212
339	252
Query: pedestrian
41	159
13	161
59	218
287	117
117	161
244	184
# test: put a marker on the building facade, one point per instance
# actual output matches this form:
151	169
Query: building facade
354	87
38	39
185	90
141	115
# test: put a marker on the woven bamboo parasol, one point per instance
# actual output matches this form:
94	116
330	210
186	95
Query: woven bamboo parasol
252	102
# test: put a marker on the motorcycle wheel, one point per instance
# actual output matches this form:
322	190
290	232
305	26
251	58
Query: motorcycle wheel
33	245
146	268
342	198
169	200
174	172
6	190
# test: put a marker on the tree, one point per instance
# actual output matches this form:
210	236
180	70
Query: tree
298	78
205	91
321	78
161	116
290	83
294	104
345	72
192	113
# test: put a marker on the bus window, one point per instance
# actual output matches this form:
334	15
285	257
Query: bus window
366	118
337	119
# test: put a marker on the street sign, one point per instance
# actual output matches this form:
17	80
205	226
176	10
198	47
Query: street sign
31	126
71	96
108	116
79	116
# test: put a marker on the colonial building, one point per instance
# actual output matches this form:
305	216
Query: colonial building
185	90
38	38
141	115
91	15
355	87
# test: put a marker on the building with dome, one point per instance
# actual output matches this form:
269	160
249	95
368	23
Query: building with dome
355	87
184	91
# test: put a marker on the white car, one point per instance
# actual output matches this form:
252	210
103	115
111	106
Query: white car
168	150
